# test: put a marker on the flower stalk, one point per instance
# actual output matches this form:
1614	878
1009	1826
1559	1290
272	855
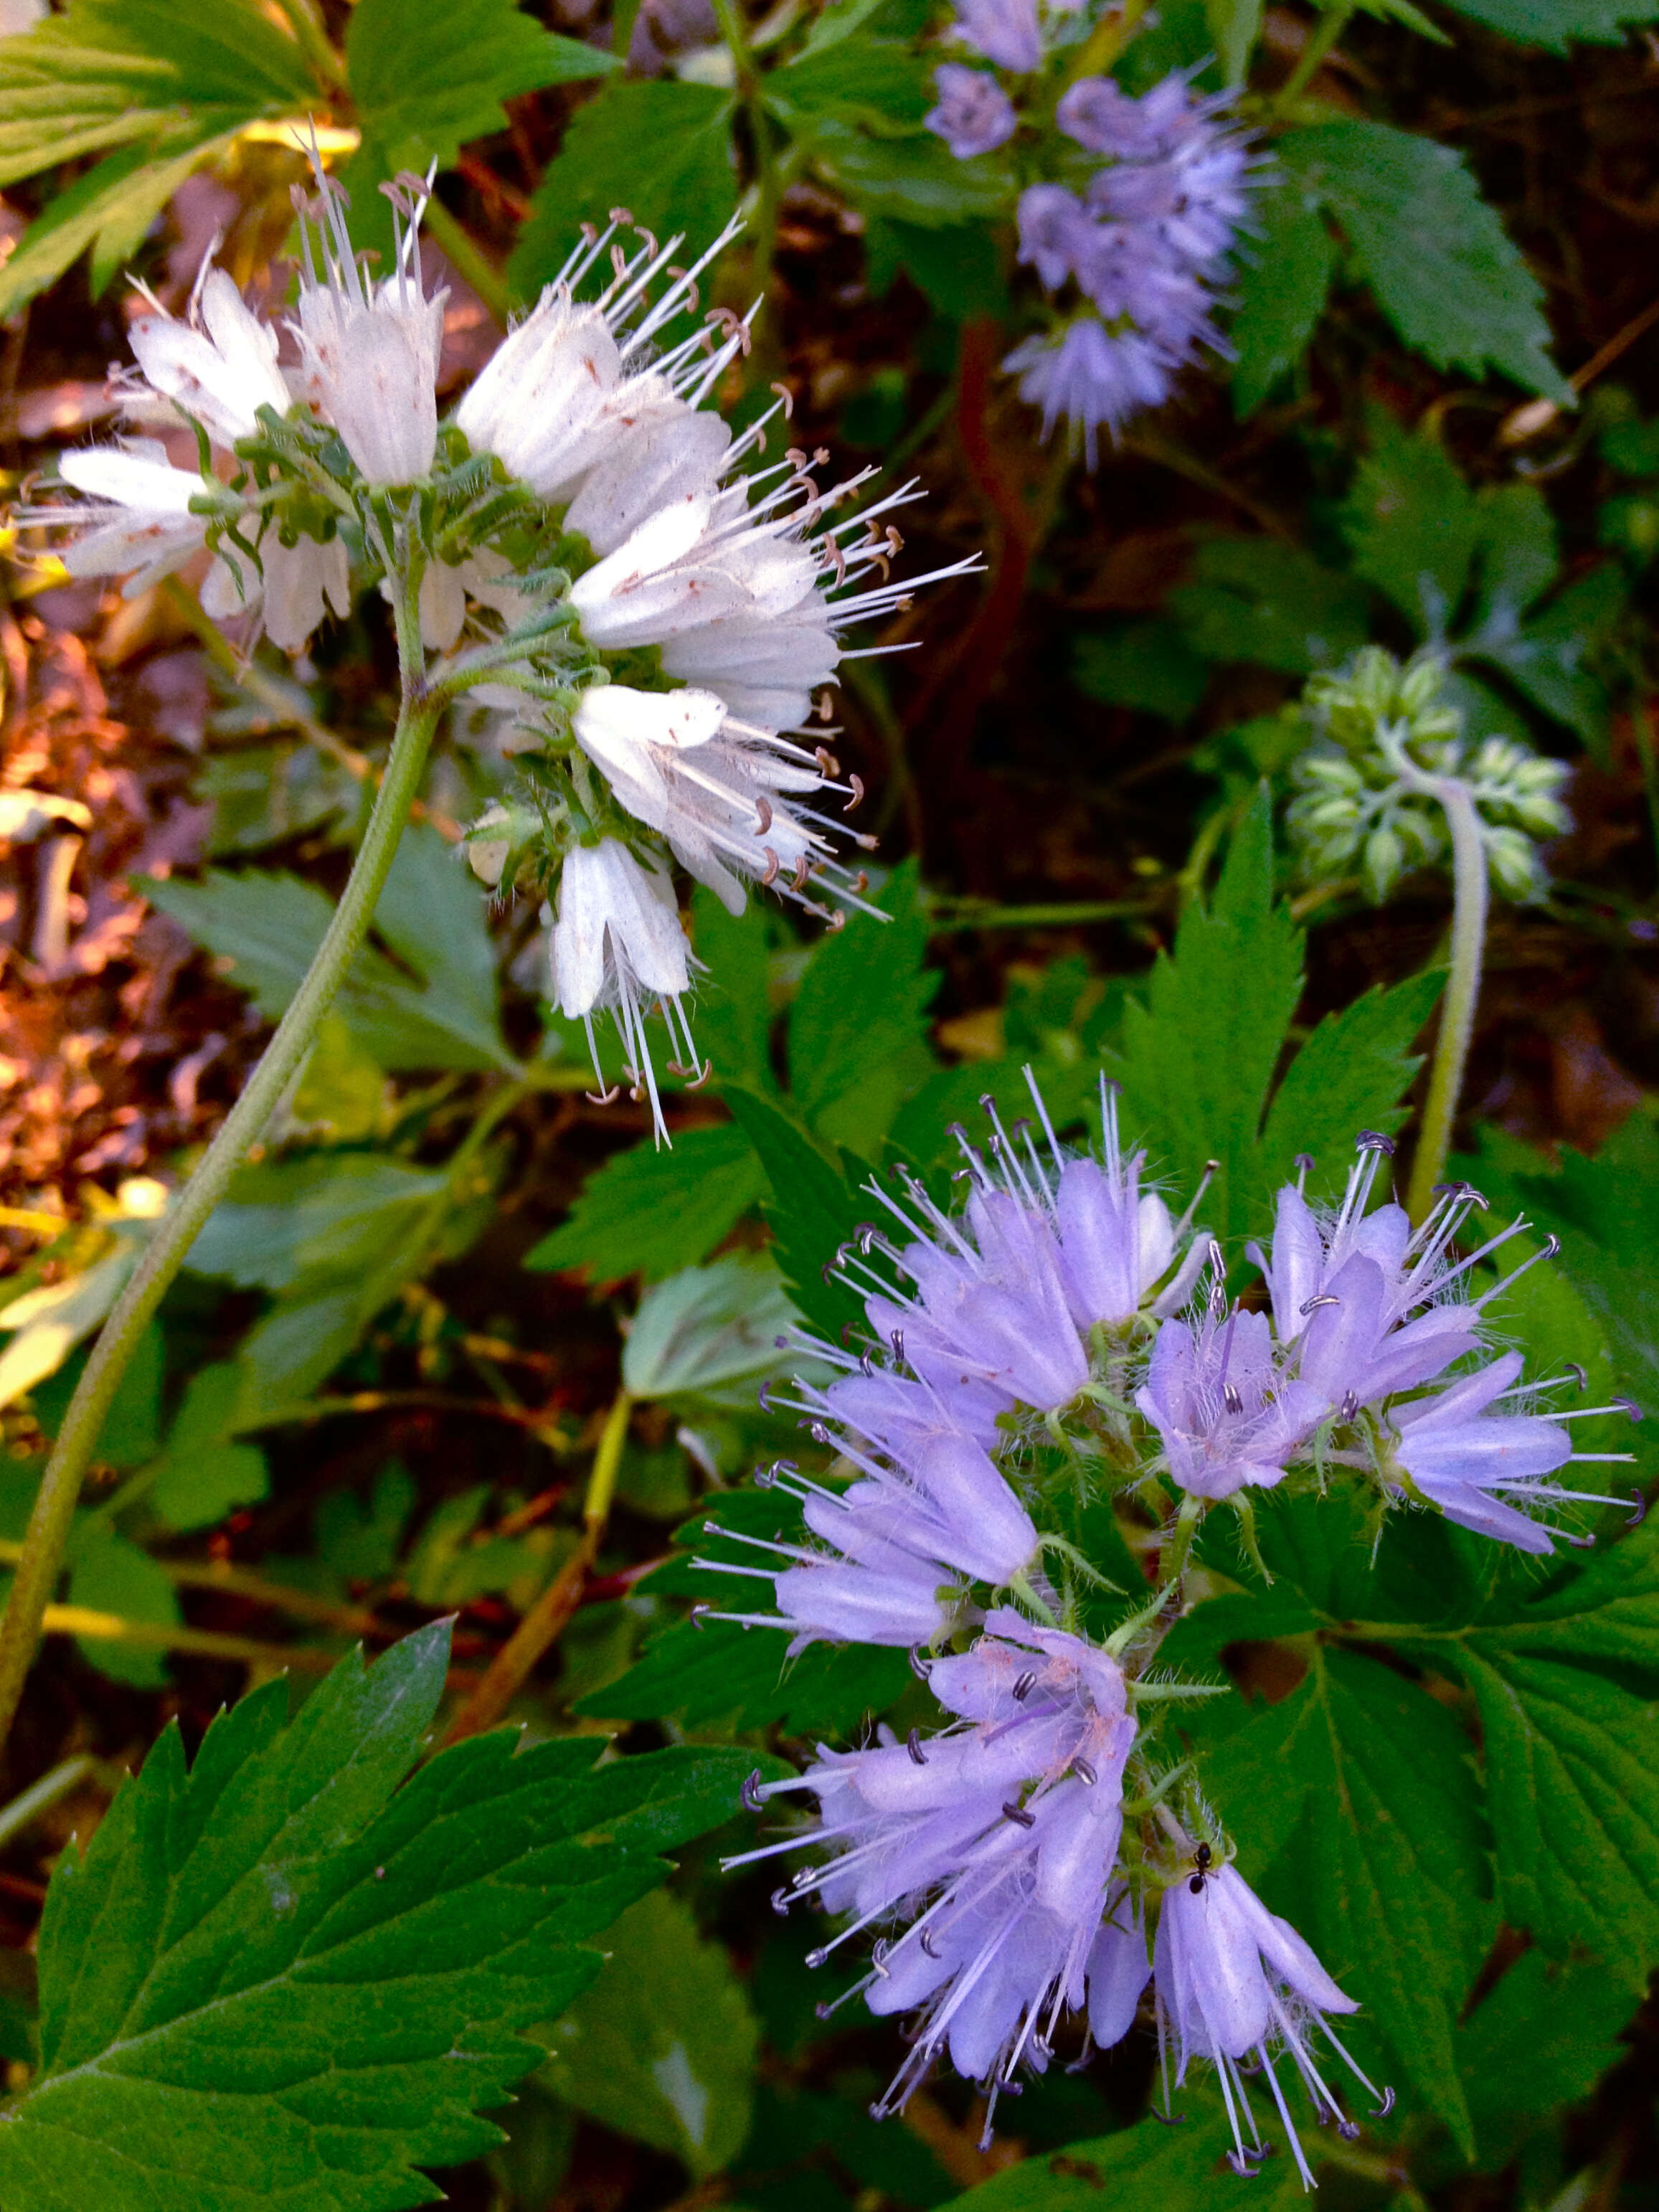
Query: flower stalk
48	1532
1470	899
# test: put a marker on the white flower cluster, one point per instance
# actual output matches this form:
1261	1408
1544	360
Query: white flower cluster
679	607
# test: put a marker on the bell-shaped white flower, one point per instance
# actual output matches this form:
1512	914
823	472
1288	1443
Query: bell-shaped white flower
219	365
141	519
370	350
716	787
300	583
617	944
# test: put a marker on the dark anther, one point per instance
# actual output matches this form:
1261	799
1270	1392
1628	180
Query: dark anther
1169	2119
1373	1140
1230	1398
1217	1258
896	1340
781	1902
1084	1772
764	1402
867	1367
1578	1543
751	1796
1349	1406
765	1477
848	1330
1580	1375
1023	1687
1018	1813
1630	1406
878	1951
700	1614
828	1271
913	1745
824	2009
925	1939
988	1105
1304	1161
820	1434
1241	2166
1312	1305
1348	2129
1638	1509
1386	2106
1552	1246
919	1667
815	1959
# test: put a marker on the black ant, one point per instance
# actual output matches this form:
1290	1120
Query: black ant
1201	1859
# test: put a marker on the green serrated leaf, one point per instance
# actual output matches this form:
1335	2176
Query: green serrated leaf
107	1574
1175	2169
270	1982
1411	523
662	2047
1281	290
267	927
1252	599
857	1028
1199	1055
117	199
651	1213
1575	1805
425	80
1444	269
1352	1073
812	1208
714	1674
1536	2041
709	1333
323	1218
688	184
1557	25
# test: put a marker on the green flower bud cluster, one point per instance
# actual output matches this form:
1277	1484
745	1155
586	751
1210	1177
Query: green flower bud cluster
1358	802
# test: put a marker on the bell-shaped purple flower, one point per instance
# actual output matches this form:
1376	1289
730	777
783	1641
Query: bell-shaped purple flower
994	1841
1235	1982
1225	1412
1004	31
1096	379
1480	1468
1373	1306
905	1540
974	114
1054	232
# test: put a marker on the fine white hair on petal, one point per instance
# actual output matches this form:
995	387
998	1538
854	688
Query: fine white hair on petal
617	943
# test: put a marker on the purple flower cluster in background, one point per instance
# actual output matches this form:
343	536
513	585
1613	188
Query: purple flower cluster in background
1145	240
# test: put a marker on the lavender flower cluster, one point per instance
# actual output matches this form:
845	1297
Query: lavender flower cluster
1030	1860
1145	238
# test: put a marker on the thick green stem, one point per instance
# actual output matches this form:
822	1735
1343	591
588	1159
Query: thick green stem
1468	946
48	1530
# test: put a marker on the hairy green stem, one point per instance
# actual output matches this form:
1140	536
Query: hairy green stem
47	1534
768	178
1468	946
